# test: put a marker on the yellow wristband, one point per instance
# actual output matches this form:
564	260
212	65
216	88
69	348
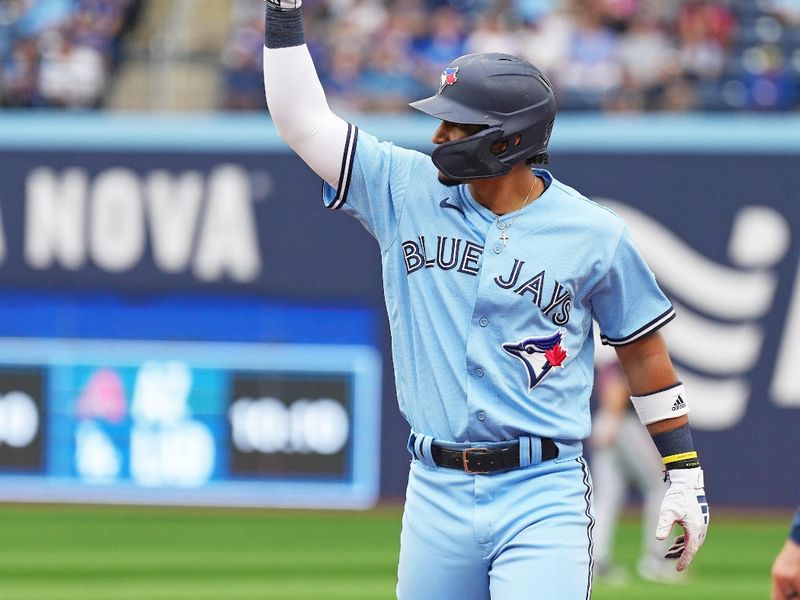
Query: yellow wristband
676	457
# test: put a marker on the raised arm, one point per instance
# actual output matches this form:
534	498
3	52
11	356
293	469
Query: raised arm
295	96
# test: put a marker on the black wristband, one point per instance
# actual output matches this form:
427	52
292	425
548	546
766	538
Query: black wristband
283	28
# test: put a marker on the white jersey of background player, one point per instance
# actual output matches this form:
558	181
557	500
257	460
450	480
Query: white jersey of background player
493	272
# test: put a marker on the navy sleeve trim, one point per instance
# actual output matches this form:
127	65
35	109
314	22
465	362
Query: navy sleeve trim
652	326
347	167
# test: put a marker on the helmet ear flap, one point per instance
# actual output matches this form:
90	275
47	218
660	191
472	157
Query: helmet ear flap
532	142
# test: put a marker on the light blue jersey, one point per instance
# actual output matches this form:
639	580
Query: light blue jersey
492	337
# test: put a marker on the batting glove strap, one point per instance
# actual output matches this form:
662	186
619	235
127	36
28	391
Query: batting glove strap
285	4
685	504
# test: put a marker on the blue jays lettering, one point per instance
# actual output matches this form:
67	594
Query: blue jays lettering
464	256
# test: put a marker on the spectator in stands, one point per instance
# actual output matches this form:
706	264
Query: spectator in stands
445	39
343	77
592	70
59	53
492	33
19	74
546	41
388	80
243	79
768	81
70	75
648	58
10	13
704	31
95	24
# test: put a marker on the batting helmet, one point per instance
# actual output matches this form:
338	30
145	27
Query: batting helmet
509	96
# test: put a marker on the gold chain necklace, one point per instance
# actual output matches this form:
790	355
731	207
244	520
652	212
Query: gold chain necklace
504	236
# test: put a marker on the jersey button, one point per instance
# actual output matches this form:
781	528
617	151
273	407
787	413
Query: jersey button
501	225
484	322
479	372
497	248
481	416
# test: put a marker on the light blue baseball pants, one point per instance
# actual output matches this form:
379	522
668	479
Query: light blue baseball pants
524	534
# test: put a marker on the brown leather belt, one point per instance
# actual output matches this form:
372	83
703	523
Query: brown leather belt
487	460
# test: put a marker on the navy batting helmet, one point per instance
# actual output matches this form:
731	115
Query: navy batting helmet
509	96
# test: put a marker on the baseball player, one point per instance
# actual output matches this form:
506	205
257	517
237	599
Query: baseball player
786	568
493	271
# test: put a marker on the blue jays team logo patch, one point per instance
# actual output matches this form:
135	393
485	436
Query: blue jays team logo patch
449	77
539	355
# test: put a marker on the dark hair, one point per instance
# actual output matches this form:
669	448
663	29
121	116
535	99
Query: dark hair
538	159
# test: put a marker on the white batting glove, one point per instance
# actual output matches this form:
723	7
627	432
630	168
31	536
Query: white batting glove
685	504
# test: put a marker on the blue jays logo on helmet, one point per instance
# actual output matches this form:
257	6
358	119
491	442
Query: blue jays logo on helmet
449	77
539	355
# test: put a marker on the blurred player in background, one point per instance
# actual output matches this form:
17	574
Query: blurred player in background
493	271
786	569
623	458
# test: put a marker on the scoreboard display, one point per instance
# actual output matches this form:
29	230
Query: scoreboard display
20	419
223	423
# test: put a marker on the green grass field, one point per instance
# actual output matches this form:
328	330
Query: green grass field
83	553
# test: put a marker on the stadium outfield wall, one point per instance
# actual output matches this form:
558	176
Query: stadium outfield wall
135	249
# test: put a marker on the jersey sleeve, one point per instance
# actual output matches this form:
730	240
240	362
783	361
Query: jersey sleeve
373	182
627	303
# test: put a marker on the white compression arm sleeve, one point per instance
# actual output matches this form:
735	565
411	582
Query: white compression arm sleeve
300	111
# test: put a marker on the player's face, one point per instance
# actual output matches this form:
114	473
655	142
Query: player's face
450	132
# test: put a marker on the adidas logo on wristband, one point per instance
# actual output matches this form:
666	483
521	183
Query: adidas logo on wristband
664	404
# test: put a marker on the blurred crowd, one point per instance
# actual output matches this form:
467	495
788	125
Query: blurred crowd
613	55
377	55
60	53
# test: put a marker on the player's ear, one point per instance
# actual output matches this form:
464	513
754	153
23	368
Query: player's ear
499	148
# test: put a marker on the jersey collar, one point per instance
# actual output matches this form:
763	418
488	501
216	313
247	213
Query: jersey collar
488	216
